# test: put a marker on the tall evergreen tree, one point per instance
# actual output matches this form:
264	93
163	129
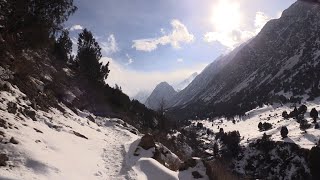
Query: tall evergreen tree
63	46
89	54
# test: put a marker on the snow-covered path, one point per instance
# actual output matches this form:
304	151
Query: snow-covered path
64	145
52	147
115	164
60	154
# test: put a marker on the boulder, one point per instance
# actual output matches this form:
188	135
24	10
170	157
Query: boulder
3	159
91	119
187	164
31	114
37	130
12	107
147	142
13	141
3	124
196	175
79	135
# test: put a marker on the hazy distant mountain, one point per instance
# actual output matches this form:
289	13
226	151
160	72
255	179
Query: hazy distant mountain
183	84
202	80
281	64
161	94
142	96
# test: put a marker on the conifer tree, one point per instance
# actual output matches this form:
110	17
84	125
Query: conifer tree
88	57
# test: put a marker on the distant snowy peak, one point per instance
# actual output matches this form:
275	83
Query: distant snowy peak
183	84
161	95
142	96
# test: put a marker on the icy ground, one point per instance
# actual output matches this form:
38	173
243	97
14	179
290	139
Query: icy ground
248	125
68	146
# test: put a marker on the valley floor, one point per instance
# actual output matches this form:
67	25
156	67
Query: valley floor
248	125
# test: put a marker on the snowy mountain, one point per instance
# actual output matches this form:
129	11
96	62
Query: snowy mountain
161	95
281	64
142	96
183	84
202	80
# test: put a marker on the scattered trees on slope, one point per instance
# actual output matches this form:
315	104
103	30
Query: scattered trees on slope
33	21
264	126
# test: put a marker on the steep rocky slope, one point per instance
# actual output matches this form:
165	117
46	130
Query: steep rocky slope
280	64
183	84
201	81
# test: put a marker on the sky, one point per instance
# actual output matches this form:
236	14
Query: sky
149	41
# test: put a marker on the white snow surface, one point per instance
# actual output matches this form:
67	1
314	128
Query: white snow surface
57	153
248	125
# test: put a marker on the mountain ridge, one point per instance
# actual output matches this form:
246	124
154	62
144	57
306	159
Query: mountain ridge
283	56
160	96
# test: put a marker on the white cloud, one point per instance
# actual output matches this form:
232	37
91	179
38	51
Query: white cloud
229	39
162	31
180	60
133	81
76	27
178	35
260	20
110	46
130	60
237	35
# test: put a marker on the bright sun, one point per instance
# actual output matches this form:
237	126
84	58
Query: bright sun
226	16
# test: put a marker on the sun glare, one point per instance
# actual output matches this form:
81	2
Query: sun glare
226	16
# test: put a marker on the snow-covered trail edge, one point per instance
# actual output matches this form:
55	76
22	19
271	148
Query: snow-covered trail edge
49	149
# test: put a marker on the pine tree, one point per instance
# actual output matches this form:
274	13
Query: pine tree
284	132
260	126
285	115
34	20
89	54
302	109
314	114
63	46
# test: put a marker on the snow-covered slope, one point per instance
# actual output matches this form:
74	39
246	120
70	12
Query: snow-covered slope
63	144
249	131
51	146
183	84
263	152
160	96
